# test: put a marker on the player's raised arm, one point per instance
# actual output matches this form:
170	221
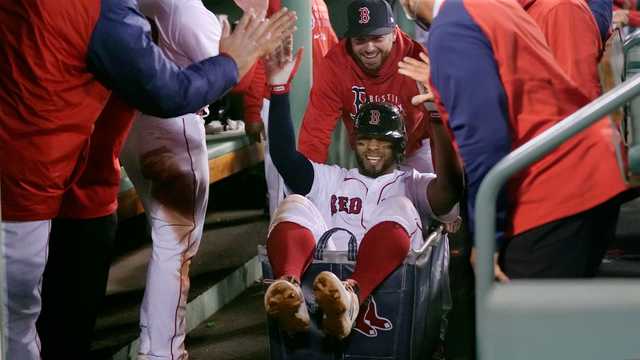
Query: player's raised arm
444	191
295	168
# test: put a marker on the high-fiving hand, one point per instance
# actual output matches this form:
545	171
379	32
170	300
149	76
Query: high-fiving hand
282	66
254	37
418	71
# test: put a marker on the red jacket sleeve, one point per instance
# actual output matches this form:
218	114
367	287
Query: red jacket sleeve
256	89
95	193
252	87
244	83
253	97
323	111
578	59
324	38
274	6
634	18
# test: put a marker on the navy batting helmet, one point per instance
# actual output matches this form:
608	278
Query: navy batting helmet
382	120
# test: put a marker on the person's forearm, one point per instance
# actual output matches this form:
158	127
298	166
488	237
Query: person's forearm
449	181
295	169
123	57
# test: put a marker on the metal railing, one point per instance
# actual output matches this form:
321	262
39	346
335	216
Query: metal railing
3	293
552	319
632	67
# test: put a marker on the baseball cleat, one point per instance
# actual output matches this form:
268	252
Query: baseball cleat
339	304
284	302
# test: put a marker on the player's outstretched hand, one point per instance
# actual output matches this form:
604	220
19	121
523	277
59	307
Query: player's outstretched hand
254	37
419	71
282	66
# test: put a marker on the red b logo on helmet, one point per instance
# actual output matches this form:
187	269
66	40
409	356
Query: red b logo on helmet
375	117
364	15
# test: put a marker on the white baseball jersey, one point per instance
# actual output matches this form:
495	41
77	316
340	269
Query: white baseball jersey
187	31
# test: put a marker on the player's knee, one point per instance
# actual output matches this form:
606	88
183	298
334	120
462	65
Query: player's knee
295	203
299	209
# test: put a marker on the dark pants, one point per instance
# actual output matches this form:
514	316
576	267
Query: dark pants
572	247
74	285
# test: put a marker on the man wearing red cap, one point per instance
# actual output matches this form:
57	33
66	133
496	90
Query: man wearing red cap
363	68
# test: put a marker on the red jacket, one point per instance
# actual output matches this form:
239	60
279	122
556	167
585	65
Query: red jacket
95	193
573	37
343	87
512	92
324	38
253	88
38	165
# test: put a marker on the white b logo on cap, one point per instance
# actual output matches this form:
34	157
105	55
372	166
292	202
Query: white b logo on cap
364	15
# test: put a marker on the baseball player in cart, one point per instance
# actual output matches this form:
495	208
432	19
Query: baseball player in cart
378	202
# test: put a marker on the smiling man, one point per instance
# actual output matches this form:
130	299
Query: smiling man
363	68
381	204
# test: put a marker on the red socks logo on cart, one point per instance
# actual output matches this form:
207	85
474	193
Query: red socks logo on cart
369	321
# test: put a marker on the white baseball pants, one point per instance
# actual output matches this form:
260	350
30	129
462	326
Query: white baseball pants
26	245
166	159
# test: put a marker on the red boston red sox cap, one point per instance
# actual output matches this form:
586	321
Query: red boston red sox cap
369	17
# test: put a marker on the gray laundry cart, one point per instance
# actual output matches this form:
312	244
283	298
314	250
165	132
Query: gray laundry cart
405	316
